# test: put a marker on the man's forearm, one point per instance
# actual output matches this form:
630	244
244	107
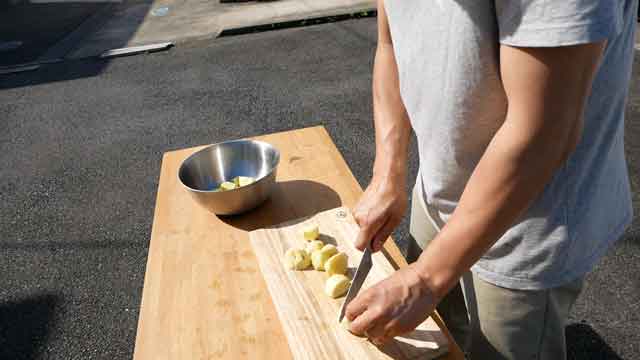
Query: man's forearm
392	127
547	91
384	202
509	177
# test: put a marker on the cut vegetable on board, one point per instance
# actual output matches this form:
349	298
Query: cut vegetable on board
337	264
311	232
297	259
319	257
314	245
323	257
304	300
337	285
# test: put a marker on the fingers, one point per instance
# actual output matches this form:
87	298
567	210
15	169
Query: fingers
383	234
357	306
378	334
369	226
377	213
363	239
363	322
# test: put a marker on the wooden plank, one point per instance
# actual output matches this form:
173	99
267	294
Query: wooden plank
203	296
309	316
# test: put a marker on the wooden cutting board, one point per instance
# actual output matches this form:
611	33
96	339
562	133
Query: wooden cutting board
308	316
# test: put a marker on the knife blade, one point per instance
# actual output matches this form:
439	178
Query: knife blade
358	279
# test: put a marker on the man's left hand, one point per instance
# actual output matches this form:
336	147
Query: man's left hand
394	306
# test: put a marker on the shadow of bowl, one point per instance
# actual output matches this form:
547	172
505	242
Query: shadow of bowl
290	201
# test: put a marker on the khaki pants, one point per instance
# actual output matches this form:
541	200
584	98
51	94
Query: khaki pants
492	322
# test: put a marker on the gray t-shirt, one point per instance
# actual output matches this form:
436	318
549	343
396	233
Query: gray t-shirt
447	55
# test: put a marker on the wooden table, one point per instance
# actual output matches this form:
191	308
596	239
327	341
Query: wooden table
204	296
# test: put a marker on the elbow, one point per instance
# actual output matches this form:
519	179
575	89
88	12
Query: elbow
548	149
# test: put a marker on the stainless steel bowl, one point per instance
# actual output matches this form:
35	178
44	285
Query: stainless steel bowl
202	172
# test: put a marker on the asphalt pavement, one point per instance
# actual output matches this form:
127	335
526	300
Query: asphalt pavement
81	145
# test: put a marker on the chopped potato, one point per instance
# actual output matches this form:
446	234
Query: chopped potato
314	245
330	249
297	259
319	257
227	185
311	232
346	324
243	180
337	285
336	264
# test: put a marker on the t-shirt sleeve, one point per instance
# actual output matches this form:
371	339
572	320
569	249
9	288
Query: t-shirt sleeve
548	23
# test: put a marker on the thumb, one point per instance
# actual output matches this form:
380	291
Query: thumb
368	230
382	234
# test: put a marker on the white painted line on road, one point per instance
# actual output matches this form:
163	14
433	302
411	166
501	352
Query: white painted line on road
17	69
132	50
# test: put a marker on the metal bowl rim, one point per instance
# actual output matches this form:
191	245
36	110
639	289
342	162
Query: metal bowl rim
277	157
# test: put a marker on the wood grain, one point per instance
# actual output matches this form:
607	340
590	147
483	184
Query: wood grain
309	316
204	296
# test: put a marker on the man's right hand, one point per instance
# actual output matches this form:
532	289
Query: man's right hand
380	210
384	203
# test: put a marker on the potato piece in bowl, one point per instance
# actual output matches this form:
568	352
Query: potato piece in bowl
243	180
227	185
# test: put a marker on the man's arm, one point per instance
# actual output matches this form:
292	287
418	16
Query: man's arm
547	89
384	202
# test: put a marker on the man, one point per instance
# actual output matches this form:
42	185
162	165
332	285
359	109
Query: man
518	110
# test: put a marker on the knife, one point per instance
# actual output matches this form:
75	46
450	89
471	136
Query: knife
361	274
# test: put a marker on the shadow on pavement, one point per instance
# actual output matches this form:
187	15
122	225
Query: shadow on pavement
72	69
584	343
47	32
24	326
37	27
